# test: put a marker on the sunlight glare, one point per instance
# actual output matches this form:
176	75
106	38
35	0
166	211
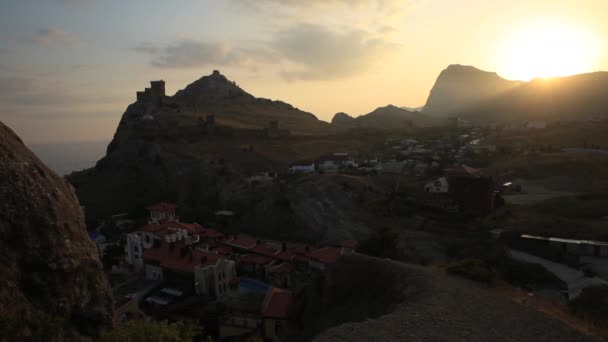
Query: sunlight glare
546	50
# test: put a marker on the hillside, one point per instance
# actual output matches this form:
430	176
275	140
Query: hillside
482	96
383	118
52	280
233	106
391	301
576	97
460	87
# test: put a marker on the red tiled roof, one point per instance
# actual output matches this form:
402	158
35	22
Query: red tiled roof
349	244
326	255
241	242
162	206
173	259
255	259
276	304
265	249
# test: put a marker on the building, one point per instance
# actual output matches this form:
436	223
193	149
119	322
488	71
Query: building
153	95
302	167
335	162
473	192
275	311
166	249
439	185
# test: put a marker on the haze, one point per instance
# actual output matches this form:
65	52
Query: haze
68	69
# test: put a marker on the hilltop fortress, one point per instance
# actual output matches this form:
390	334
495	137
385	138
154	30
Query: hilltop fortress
156	112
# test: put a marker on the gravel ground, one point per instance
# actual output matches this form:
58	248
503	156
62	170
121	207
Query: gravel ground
445	308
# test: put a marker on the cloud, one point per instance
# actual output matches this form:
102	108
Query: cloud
53	36
323	54
192	53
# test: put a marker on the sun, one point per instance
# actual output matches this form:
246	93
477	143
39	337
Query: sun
545	50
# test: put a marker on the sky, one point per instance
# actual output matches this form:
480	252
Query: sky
69	68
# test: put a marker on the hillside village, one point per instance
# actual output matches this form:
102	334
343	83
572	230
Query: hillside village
239	284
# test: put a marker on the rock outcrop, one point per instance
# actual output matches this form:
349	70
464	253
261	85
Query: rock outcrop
53	284
391	301
460	87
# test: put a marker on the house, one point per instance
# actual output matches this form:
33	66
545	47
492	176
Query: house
335	162
348	246
440	185
162	212
473	191
281	275
322	257
275	309
302	167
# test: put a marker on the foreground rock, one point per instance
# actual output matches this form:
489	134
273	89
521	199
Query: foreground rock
390	301
52	279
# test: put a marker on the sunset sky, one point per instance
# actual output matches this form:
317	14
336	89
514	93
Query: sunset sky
69	68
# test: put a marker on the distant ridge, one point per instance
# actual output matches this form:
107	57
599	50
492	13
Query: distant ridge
482	96
385	118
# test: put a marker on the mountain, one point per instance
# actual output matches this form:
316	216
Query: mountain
460	87
389	117
482	96
233	106
51	274
166	149
577	97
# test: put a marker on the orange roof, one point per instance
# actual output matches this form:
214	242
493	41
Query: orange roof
276	304
326	255
162	206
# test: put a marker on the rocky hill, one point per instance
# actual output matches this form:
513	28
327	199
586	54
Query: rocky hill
460	87
52	279
383	118
233	106
391	301
167	149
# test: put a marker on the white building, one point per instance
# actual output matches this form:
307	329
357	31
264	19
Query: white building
303	167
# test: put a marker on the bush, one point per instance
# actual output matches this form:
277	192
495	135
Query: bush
473	269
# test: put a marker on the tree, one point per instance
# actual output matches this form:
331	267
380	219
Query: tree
153	331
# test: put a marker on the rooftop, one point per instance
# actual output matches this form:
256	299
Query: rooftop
276	303
162	206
